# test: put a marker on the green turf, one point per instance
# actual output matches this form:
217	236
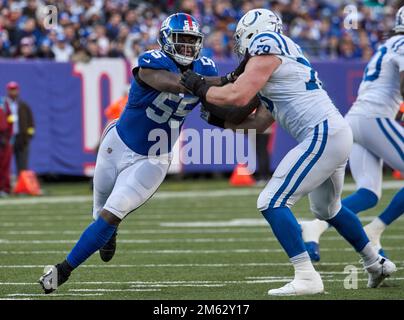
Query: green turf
156	260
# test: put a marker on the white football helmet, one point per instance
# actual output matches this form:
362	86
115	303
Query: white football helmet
399	27
254	22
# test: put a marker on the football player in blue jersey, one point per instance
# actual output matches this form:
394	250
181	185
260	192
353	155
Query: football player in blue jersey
135	151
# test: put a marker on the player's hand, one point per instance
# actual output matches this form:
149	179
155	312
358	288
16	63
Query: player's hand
192	81
195	84
232	76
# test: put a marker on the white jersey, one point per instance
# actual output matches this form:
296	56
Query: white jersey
293	94
379	93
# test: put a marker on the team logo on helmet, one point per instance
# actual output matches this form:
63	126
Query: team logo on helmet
249	23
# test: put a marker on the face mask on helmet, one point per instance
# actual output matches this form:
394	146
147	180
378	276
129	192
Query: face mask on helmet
180	38
186	47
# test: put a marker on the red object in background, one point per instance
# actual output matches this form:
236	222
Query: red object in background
114	110
6	130
241	177
27	183
12	85
397	175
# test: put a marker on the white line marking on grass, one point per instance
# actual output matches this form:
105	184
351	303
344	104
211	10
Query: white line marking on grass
54	295
196	240
145	231
143	241
15	299
164	195
190	265
232	223
113	290
188	251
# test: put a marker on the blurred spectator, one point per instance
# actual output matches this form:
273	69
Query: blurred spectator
6	129
23	125
45	49
113	28
27	48
61	49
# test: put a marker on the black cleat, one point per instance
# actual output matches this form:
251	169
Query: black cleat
47	280
107	252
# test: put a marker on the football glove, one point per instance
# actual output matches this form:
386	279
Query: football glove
195	84
232	76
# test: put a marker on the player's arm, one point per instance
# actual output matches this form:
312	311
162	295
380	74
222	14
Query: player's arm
260	121
166	81
161	80
257	72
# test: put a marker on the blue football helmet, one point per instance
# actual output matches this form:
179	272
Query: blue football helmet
180	37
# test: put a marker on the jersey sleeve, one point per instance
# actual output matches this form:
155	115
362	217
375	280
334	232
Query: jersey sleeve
399	58
206	67
267	43
155	59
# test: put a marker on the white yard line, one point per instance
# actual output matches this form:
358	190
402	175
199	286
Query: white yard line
190	240
190	265
54	295
163	195
188	251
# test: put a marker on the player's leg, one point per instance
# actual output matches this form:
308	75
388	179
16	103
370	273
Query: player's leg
107	167
326	204
389	145
286	186
367	171
133	187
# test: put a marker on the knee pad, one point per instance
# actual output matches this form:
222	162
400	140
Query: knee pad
324	210
123	201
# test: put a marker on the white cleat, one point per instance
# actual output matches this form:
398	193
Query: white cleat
301	285
379	271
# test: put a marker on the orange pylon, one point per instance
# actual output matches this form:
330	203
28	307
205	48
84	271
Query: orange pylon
27	183
241	176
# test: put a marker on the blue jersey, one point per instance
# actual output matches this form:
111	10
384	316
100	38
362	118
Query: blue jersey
151	115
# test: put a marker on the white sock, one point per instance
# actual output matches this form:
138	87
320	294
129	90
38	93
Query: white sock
312	230
377	226
369	255
302	264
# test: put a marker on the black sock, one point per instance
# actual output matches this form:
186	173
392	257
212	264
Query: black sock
66	268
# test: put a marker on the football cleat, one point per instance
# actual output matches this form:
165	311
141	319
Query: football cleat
107	252
53	278
301	285
380	270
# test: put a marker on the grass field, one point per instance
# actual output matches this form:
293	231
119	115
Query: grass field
193	240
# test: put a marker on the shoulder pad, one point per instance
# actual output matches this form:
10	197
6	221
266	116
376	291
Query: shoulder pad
268	43
205	66
156	59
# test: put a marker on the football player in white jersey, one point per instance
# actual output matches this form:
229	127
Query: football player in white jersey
378	138
291	94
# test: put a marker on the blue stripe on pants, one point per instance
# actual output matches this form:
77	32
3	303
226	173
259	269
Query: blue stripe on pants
295	168
310	165
391	125
390	138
